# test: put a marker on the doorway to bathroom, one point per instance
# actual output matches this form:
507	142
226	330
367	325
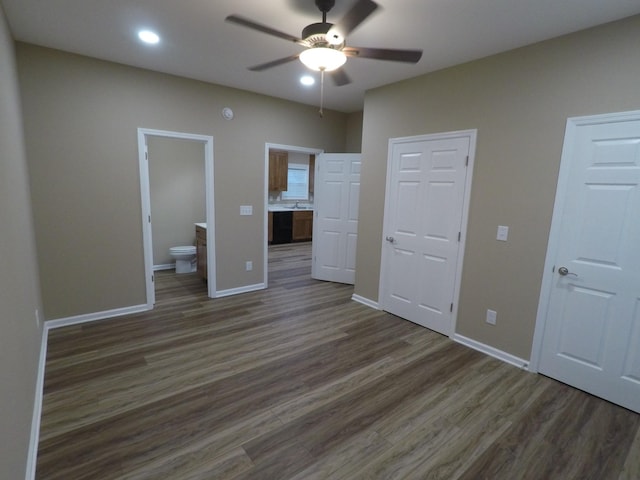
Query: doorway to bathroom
150	143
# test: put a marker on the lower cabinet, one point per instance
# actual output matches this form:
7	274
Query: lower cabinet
302	226
201	251
290	226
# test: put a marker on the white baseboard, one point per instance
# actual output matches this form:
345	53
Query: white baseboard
34	438
365	301
236	291
91	317
491	351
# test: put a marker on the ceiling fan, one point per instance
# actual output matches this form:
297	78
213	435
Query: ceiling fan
325	47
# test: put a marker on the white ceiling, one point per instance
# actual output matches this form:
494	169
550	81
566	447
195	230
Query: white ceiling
197	43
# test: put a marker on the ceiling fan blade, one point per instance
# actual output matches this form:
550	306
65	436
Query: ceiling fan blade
354	17
409	56
340	77
245	22
273	63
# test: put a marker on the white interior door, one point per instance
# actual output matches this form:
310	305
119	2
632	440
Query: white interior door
591	336
424	211
335	221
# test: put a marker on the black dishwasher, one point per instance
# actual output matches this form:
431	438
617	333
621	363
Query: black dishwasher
282	227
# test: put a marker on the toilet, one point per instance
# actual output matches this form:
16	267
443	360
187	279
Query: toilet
185	258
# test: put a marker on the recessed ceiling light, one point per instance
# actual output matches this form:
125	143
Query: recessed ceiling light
307	80
147	36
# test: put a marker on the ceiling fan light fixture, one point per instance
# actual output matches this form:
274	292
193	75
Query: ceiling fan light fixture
323	59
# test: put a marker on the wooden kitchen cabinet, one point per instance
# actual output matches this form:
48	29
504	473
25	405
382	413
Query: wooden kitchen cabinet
201	251
302	226
278	171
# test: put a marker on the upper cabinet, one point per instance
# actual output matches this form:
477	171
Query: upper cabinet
278	169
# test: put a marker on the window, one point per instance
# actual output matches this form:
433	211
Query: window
297	182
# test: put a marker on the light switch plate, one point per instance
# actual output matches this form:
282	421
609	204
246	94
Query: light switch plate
503	233
246	210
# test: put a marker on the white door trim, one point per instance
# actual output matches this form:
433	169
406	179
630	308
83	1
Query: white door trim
554	234
145	197
472	135
288	148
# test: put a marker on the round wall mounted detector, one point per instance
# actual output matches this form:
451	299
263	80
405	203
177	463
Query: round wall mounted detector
227	113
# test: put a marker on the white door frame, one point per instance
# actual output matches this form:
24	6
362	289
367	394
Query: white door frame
288	148
554	235
472	134
145	197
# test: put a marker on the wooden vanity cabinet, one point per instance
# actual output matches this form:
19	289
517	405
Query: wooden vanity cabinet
201	251
278	171
302	226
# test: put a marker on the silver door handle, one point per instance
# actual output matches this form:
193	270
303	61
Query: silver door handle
390	239
564	271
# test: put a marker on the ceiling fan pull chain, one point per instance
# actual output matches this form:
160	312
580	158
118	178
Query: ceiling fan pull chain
321	92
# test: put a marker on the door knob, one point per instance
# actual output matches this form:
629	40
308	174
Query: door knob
564	271
390	239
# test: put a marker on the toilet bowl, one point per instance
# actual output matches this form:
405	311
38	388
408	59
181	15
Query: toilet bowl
185	258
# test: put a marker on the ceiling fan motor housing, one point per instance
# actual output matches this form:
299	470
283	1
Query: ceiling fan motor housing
316	33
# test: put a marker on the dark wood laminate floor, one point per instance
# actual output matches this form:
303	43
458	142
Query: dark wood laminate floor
300	382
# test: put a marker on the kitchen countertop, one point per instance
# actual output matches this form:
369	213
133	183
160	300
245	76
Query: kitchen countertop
203	225
283	208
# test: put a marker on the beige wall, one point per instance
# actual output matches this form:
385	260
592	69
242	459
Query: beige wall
81	117
20	335
354	132
519	102
176	181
